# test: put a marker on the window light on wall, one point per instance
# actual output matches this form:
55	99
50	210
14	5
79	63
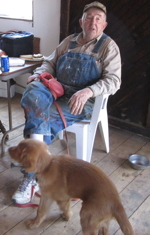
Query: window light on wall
16	9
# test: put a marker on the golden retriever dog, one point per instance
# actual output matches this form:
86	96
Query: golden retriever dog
61	178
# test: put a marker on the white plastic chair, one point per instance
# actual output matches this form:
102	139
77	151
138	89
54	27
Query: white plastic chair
85	130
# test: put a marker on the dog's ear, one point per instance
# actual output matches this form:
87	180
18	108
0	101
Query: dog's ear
27	161
23	154
35	160
43	160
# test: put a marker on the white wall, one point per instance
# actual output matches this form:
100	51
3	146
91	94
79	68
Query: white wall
46	26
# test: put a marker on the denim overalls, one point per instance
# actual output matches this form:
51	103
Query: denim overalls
74	70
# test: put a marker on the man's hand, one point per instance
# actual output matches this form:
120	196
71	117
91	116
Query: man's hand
34	77
78	100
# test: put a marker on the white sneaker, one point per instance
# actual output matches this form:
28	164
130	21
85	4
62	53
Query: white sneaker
26	191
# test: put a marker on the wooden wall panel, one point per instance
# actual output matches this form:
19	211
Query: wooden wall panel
64	18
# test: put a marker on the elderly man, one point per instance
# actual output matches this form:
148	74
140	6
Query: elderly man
87	65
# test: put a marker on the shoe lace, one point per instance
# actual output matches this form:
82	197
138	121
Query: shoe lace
23	186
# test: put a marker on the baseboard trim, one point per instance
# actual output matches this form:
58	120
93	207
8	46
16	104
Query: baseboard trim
129	126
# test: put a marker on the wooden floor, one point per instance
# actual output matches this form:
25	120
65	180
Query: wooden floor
133	185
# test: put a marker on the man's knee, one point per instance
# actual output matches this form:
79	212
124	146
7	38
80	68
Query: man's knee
35	95
35	85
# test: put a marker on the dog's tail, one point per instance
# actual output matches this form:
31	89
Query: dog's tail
122	219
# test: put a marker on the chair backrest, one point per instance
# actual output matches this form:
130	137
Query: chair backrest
99	107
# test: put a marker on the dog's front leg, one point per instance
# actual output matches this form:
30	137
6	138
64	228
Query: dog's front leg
44	206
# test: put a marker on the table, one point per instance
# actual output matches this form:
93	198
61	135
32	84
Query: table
6	77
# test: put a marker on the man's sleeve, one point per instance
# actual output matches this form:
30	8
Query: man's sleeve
49	63
111	71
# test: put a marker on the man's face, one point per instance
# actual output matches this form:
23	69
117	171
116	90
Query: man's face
93	23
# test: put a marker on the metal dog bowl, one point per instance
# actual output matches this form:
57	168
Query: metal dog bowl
138	162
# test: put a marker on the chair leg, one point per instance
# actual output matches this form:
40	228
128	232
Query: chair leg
103	126
81	142
91	139
61	135
81	132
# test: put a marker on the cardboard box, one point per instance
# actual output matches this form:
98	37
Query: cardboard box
3	90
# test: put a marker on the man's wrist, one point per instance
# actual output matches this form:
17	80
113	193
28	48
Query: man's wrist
90	92
36	74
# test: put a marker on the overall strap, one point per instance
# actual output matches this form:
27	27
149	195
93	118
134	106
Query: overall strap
73	43
100	43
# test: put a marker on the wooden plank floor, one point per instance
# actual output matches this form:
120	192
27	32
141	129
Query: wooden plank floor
133	185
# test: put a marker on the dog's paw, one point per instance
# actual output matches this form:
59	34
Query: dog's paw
66	216
31	224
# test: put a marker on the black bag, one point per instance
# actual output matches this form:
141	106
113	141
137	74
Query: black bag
18	43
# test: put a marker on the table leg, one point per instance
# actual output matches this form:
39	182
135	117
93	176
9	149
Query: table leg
10	119
9	104
5	135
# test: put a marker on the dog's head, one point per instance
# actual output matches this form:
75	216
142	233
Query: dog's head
32	154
